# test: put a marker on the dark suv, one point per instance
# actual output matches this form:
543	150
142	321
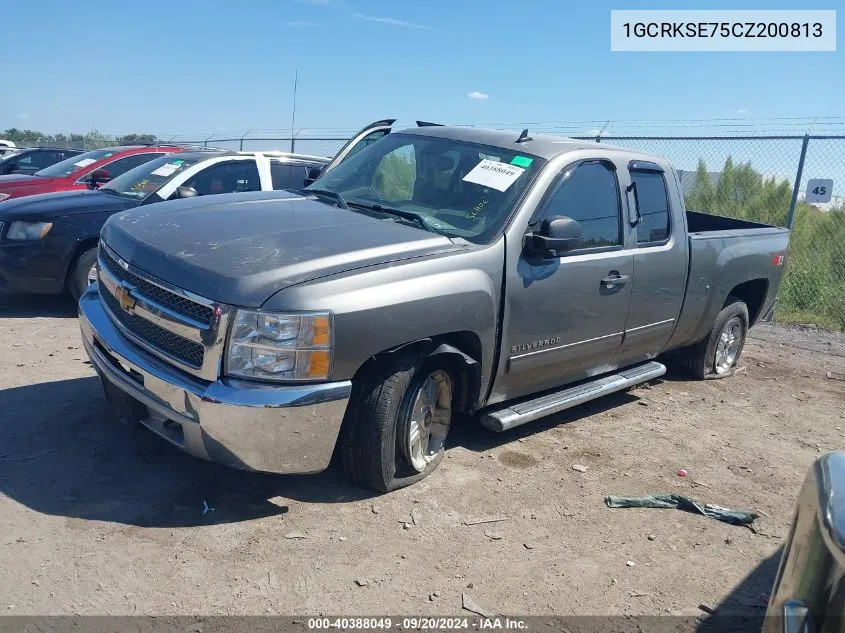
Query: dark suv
29	161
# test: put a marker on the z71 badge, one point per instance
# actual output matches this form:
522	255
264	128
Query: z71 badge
526	347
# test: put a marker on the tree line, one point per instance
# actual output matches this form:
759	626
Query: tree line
90	140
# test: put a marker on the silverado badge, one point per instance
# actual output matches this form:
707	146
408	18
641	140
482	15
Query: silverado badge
124	296
526	347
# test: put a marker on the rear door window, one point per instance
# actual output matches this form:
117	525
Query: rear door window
288	176
45	159
653	205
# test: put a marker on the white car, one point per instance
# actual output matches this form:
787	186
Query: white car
56	234
7	147
209	172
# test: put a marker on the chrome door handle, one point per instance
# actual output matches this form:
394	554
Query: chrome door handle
615	280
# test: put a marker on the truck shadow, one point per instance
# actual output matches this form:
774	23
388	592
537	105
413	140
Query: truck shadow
14	305
744	608
62	453
469	434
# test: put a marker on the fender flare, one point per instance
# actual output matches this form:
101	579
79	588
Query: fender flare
467	369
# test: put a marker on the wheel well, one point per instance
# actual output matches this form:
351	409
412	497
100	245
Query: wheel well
454	347
83	246
752	293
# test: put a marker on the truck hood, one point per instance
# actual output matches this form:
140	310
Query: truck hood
49	206
241	249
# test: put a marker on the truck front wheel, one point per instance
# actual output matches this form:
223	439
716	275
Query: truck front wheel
717	355
396	423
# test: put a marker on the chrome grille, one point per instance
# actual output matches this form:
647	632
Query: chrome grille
173	301
179	327
172	344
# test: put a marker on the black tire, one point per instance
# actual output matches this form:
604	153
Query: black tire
77	280
128	411
369	438
699	360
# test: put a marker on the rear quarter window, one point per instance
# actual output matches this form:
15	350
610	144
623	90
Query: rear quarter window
653	203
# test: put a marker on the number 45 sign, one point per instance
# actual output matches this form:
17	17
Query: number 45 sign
818	190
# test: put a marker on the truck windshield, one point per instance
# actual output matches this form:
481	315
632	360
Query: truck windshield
74	164
456	188
148	178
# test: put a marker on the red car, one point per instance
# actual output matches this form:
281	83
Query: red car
83	171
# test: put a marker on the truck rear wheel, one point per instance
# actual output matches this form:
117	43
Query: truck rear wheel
396	423
717	355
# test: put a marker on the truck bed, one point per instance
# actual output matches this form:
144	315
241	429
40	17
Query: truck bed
728	256
698	223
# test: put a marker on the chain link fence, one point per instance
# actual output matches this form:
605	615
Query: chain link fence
758	178
326	146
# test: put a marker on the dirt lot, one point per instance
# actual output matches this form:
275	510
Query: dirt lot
96	520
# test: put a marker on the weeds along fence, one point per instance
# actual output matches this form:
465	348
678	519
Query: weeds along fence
758	178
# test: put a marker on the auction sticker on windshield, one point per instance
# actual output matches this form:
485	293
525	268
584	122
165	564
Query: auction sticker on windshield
85	162
490	173
167	169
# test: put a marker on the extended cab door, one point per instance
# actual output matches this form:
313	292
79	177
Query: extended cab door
370	134
564	316
660	260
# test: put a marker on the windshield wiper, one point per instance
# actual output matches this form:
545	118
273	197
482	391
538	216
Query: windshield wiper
407	215
339	199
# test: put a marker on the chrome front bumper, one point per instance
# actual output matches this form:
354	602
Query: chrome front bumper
248	425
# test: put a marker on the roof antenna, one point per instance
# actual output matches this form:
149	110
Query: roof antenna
524	136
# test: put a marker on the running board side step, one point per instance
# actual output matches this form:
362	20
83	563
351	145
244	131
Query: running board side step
528	411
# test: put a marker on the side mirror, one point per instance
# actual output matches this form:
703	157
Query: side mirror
98	177
186	192
313	174
557	234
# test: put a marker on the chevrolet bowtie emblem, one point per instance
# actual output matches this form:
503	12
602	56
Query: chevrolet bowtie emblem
124	297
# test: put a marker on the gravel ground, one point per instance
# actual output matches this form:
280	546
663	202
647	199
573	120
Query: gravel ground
97	519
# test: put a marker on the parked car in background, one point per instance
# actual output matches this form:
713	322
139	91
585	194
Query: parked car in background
48	242
436	271
6	147
83	171
31	160
808	595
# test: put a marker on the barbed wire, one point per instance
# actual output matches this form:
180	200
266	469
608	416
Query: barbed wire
727	125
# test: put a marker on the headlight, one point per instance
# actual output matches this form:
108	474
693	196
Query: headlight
273	346
28	230
3	196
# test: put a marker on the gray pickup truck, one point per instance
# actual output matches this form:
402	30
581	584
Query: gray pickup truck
437	273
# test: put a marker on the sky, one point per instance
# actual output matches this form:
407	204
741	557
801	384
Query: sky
203	67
